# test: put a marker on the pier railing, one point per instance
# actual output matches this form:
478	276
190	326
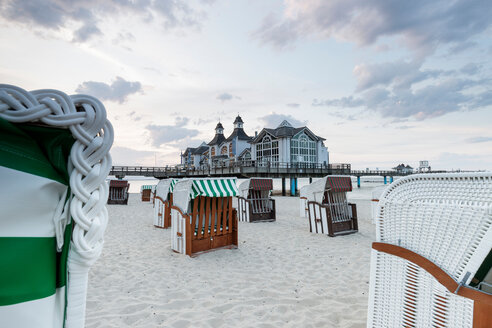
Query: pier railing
239	169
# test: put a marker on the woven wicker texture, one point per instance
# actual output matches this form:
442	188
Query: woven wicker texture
446	218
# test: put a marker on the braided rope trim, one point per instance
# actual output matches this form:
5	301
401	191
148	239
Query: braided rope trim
89	165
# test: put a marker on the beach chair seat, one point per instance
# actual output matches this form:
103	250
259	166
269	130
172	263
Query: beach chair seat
54	161
202	215
329	212
255	203
433	252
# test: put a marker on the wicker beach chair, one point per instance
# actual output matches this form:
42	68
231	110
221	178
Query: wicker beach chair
433	252
202	215
163	201
118	192
329	212
146	193
255	203
54	160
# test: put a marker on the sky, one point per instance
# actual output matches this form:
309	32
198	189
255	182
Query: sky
383	81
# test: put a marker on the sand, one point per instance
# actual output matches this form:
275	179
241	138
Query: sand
280	276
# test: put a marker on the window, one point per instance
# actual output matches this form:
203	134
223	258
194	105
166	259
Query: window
223	150
302	149
267	150
212	152
230	150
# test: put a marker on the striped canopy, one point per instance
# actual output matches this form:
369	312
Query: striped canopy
145	187
118	183
339	183
334	183
213	188
261	184
187	189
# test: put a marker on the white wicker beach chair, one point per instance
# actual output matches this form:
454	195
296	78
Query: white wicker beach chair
434	238
54	160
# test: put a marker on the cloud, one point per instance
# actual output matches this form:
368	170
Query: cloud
83	17
478	139
420	25
118	91
293	105
226	97
128	156
165	134
273	120
403	89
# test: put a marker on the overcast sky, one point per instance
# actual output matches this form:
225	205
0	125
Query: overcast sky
385	82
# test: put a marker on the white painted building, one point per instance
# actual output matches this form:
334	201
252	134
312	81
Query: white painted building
286	144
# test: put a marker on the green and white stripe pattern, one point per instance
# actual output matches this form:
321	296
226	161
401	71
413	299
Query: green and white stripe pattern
172	184
187	189
49	243
213	188
35	230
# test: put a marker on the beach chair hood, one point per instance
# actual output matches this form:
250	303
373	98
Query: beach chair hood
336	183
263	184
163	187
187	189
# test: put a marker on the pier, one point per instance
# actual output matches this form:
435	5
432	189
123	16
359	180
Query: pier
244	170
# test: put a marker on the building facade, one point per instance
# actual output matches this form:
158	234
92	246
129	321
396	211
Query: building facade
285	144
288	145
224	150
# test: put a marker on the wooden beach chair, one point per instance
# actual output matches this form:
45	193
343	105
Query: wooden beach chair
163	202
303	202
145	192
118	192
202	216
54	161
255	203
329	212
430	263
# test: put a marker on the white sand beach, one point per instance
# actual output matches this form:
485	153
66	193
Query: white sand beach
280	276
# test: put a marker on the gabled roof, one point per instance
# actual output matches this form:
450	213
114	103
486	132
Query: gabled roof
285	131
188	150
240	134
200	150
238	120
219	126
218	139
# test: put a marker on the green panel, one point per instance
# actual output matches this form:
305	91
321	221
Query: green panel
28	269
37	150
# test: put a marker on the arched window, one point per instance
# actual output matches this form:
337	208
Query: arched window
302	149
223	150
212	152
230	150
267	150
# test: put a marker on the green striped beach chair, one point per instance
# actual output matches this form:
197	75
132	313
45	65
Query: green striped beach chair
54	159
202	216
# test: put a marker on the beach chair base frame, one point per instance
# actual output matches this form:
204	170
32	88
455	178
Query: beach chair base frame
321	221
